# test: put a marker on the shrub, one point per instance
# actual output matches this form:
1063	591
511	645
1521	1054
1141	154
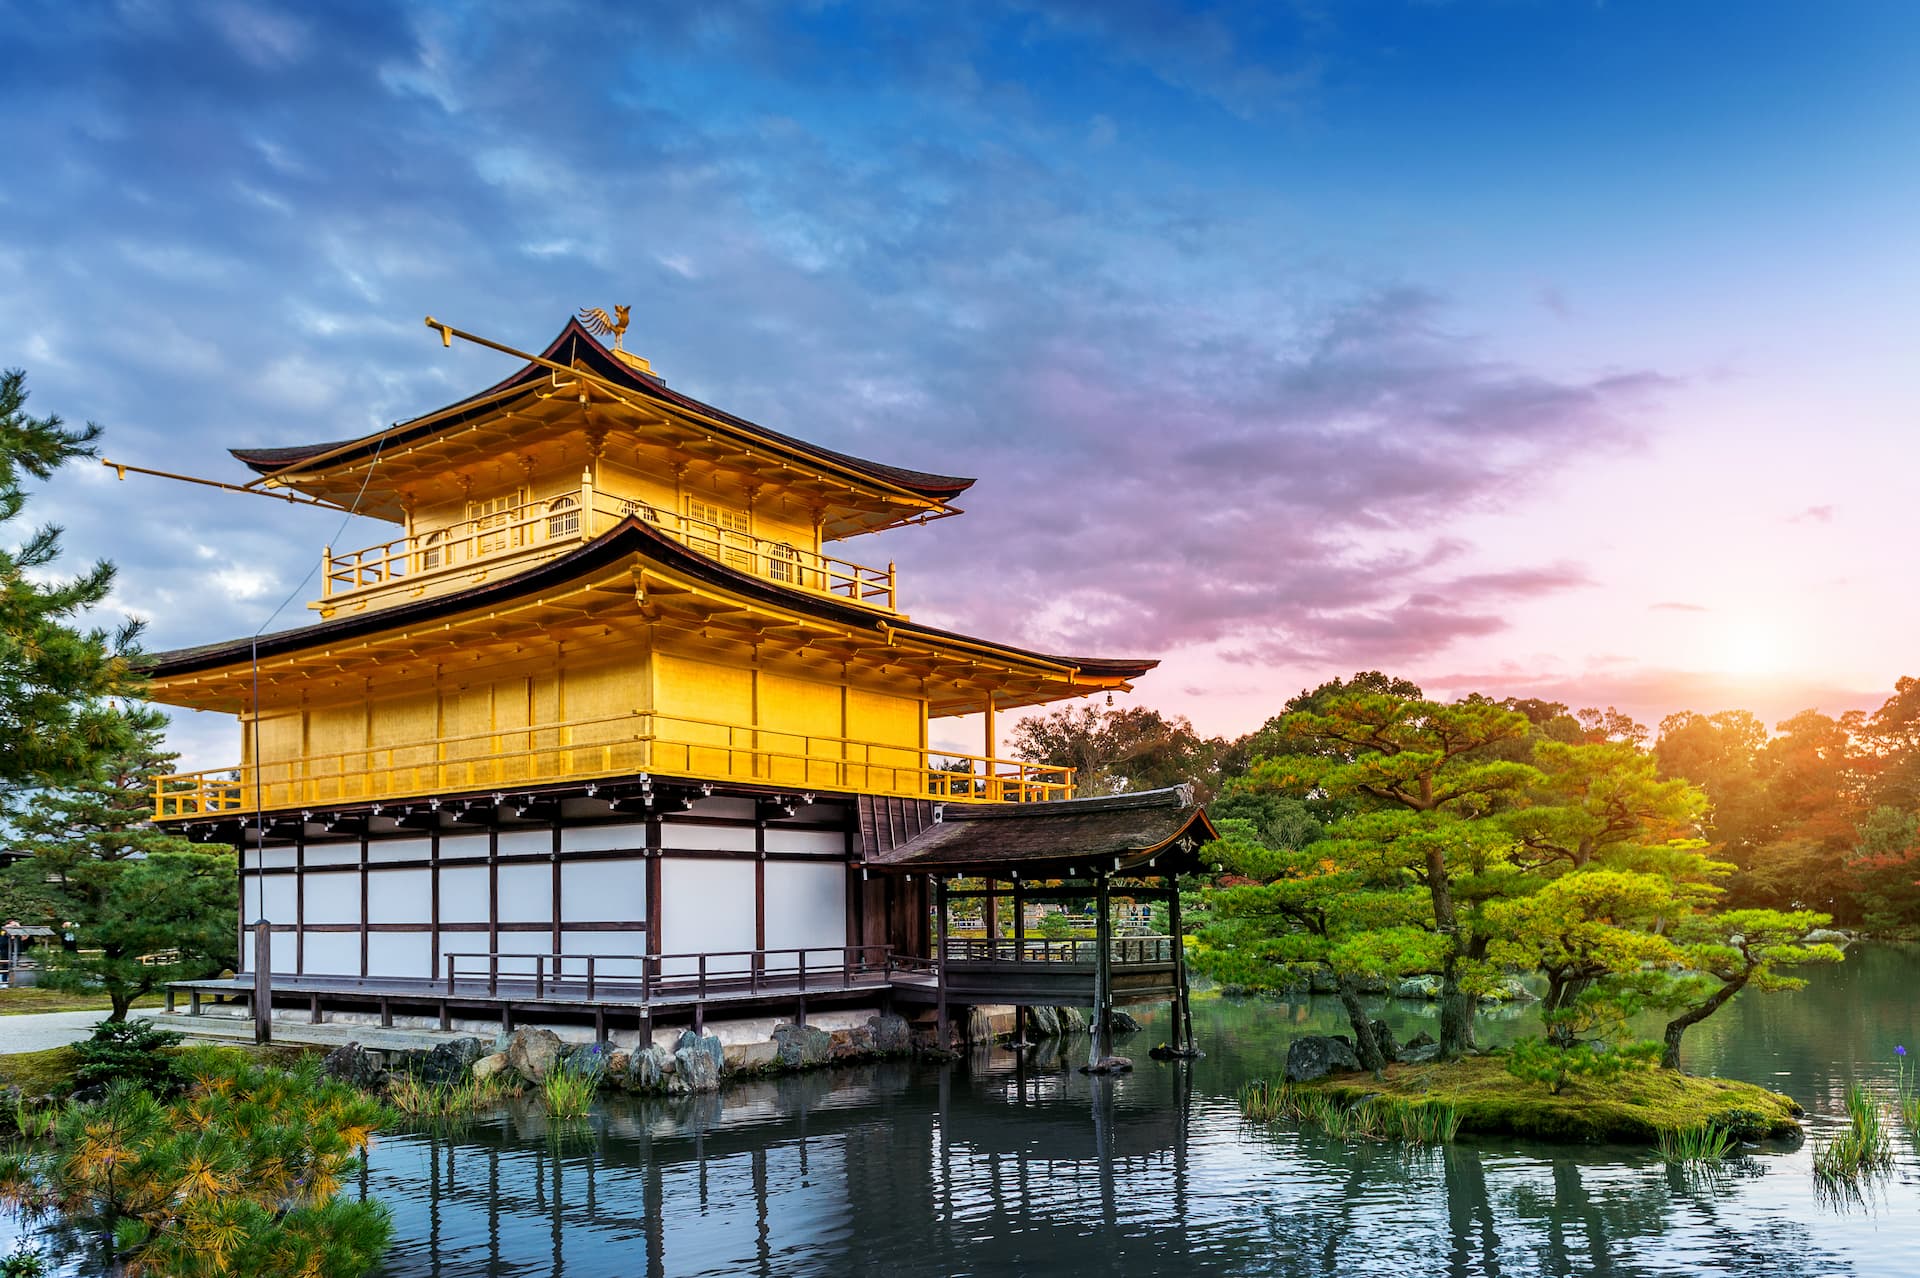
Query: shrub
239	1175
132	1052
1535	1060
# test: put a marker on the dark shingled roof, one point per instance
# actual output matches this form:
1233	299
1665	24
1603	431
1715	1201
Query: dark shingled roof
631	535
576	343
1041	838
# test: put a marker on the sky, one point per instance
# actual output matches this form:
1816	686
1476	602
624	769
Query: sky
1541	349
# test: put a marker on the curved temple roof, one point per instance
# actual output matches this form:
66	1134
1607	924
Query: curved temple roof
1121	833
630	537
576	343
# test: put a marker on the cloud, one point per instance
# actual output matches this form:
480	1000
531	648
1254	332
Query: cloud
1188	431
1671	605
1813	515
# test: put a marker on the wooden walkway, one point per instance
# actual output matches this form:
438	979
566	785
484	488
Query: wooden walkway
689	988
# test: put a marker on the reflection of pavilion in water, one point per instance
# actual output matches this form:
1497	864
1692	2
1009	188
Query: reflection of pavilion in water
784	1175
897	1168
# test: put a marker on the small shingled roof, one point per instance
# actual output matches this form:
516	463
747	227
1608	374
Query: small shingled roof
1121	830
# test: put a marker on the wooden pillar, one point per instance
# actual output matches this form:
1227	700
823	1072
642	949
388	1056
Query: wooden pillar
262	982
1182	1015
1019	916
1102	1036
991	912
940	960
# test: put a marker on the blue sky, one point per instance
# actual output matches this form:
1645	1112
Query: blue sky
1541	348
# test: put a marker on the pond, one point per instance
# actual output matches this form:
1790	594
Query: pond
988	1168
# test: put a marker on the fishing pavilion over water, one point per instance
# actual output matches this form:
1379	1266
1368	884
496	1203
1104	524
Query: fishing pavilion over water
610	730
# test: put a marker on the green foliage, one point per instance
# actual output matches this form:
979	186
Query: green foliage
1534	1060
132	1052
1907	1091
240	1175
56	681
1112	751
168	917
1055	926
1699	1143
22	1262
1864	1148
1726	953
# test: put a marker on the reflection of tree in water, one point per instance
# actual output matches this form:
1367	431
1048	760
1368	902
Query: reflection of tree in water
1597	1218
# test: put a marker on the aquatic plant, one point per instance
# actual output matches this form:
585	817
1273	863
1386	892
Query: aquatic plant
1414	1122
573	1081
1864	1148
416	1098
1264	1102
1700	1143
1908	1088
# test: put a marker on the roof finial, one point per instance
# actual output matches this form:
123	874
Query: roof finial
599	323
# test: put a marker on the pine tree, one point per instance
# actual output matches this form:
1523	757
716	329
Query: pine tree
134	890
57	719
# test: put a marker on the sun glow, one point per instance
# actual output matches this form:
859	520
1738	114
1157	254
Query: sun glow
1754	650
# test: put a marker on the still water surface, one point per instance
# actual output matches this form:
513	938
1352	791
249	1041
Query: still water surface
987	1168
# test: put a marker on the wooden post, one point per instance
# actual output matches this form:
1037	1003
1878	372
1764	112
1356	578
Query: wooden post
1102	1036
940	960
1182	1013
992	911
262	982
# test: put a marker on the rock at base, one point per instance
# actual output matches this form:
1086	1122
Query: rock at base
1318	1055
533	1052
801	1046
488	1066
1384	1040
750	1058
1107	1065
697	1060
354	1065
1422	1039
892	1036
447	1063
1044	1022
648	1068
1420	987
1425	1053
1119	1022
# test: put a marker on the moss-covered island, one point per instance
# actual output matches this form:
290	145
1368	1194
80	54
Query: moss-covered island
1634	1108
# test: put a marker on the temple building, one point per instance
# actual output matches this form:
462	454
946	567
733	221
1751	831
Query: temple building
615	726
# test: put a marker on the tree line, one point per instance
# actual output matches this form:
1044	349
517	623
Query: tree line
1370	833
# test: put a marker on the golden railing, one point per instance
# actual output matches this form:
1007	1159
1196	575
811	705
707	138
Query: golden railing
580	749
580	515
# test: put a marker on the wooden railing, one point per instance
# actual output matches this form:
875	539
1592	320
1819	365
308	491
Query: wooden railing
652	976
583	749
580	515
1072	952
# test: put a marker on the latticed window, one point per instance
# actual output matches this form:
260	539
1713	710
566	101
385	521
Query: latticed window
780	562
563	517
432	549
721	532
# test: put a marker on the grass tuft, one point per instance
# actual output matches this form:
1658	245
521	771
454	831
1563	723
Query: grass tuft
1864	1148
1700	1143
439	1102
1385	1118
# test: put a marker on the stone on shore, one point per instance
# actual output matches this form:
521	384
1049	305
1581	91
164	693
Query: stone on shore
892	1036
489	1065
1314	1056
801	1046
531	1053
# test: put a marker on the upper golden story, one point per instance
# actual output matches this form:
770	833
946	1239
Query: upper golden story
599	578
557	454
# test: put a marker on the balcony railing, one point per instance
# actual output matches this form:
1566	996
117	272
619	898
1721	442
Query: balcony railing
581	515
585	749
